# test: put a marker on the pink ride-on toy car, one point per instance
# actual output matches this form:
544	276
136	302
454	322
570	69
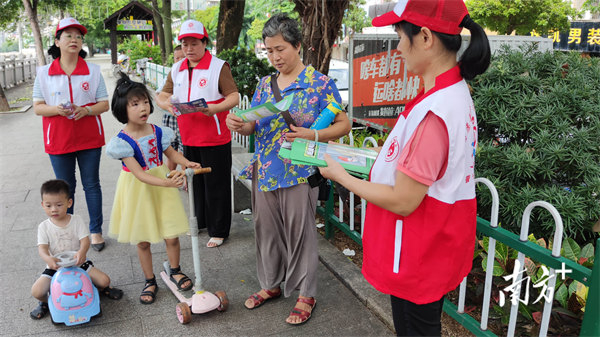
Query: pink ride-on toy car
73	297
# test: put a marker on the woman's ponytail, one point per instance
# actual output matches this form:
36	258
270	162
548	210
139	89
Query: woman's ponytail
476	58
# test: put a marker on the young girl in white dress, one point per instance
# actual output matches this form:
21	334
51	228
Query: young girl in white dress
147	206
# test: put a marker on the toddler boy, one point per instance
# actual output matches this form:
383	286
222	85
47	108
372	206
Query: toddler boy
59	233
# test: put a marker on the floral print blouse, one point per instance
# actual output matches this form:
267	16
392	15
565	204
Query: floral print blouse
312	92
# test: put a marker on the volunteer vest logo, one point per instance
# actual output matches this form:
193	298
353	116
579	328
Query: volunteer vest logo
393	150
85	86
203	82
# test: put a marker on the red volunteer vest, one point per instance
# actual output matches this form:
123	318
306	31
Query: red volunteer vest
197	129
423	256
63	135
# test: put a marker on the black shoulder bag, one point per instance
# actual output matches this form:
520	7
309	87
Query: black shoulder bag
316	179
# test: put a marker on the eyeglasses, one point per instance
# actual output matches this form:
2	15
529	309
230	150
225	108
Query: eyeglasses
79	38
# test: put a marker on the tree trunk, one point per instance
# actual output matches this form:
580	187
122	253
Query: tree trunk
321	23
161	32
31	10
91	49
231	13
168	33
3	101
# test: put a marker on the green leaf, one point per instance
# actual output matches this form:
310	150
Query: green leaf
497	271
525	311
562	295
571	249
538	275
582	292
530	267
573	287
541	243
498	309
587	251
502	253
484	243
476	253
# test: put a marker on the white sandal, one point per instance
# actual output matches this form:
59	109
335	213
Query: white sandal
216	241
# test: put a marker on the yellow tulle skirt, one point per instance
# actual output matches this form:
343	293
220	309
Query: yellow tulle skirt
146	213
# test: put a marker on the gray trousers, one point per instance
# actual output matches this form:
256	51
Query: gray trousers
286	238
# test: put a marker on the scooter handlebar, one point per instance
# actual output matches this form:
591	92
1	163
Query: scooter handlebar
201	170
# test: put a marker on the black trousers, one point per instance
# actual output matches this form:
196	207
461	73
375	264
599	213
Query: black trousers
412	319
212	191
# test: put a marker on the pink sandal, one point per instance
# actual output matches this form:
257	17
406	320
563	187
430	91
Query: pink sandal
258	300
303	314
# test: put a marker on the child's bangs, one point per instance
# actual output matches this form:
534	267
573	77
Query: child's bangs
139	93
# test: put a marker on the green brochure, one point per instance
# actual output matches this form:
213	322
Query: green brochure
264	110
357	161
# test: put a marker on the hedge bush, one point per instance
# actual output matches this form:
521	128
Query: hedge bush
137	49
246	69
539	138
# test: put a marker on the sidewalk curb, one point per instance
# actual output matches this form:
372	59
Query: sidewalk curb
351	277
18	109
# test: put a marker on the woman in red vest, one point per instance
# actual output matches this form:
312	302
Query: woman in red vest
419	232
205	137
71	95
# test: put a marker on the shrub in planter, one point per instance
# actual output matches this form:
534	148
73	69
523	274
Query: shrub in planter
137	49
246	69
539	138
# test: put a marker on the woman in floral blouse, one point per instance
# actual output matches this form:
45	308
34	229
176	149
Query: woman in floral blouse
283	202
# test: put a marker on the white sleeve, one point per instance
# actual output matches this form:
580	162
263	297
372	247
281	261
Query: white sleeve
42	234
81	228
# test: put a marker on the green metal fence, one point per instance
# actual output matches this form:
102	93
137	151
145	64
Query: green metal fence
588	277
156	74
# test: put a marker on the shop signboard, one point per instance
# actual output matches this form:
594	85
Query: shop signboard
132	24
380	83
583	36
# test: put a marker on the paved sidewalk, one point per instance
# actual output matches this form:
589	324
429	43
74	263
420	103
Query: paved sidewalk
24	167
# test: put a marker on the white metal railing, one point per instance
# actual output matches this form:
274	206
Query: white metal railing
556	245
558	236
241	139
16	70
363	202
156	75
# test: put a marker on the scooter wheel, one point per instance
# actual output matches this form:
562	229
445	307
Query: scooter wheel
184	314
224	300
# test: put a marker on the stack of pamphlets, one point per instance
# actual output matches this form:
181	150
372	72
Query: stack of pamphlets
357	161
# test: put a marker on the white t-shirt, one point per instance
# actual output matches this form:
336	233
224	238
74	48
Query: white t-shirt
60	239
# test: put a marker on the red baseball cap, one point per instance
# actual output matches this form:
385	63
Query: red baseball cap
70	22
192	28
442	16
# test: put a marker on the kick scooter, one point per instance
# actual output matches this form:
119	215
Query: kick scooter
201	301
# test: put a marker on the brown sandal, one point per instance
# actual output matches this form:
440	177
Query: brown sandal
258	300
303	314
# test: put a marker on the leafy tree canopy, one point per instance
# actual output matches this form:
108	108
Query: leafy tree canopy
209	18
10	10
592	6
92	16
263	9
355	17
522	16
255	31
